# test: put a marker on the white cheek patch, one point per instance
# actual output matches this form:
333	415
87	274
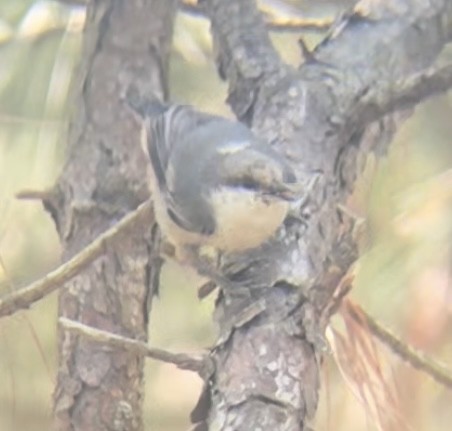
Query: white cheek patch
233	147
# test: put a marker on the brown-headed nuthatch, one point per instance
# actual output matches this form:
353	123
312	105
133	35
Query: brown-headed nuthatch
213	182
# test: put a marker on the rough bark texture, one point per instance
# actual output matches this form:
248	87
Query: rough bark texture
267	357
325	117
104	178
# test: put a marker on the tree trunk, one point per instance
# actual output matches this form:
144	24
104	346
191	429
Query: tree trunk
126	42
325	117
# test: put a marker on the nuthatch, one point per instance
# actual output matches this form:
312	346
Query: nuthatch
213	182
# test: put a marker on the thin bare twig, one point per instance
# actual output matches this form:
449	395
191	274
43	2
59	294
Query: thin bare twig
409	92
38	195
37	290
273	21
184	361
415	358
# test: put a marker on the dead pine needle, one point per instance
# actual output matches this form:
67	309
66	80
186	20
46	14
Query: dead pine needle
416	359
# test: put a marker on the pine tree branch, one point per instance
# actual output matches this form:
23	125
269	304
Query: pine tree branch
274	21
26	296
415	358
185	361
408	92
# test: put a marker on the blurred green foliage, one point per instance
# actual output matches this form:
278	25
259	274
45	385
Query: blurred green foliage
405	272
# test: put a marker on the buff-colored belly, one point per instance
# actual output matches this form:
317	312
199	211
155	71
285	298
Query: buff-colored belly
244	222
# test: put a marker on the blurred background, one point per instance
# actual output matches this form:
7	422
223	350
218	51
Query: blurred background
404	277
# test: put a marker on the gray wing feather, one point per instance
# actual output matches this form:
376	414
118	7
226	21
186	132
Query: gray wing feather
167	130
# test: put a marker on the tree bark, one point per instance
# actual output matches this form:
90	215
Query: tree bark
126	43
325	118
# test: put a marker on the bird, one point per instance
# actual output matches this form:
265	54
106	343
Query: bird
216	187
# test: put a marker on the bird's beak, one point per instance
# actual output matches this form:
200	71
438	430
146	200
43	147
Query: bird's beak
286	191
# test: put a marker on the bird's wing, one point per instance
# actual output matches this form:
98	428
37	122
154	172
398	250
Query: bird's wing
176	214
165	131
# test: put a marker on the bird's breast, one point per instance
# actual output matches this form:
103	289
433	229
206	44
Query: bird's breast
244	219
